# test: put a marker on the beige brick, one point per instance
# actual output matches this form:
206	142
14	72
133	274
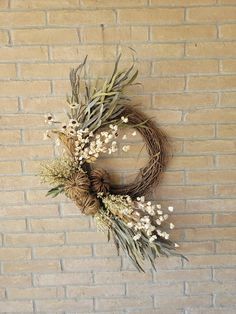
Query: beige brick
226	246
228	99
182	2
86	237
191	162
210	233
95	291
23	53
15	253
80	306
8	105
181	67
226	161
226	2
206	205
42	4
210	311
11	197
79	17
34	239
151	16
210	146
183	275
114	34
223	300
55	70
2	293
228	66
45	36
3	38
185	101
225	274
183	33
19	19
21	281
191	220
225	190
211	14
63	252
195	288
123	303
154	51
23	121
29	88
59	224
43	104
226	219
9	225
163	84
13	167
31	136
216	176
175	288
115	3
7	71
4	4
121	277
32	166
9	136
228	31
211	116
109	264
211	49
203	247
25	152
29	211
105	250
95	52
35	293
19	182
59	279
16	306
39	196
32	266
184	192
190	131
211	83
227	130
183	301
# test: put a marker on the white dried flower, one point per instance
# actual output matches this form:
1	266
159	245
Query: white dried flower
153	238
134	133
172	226
137	236
49	119
170	208
124	137
176	245
126	148
124	119
158	222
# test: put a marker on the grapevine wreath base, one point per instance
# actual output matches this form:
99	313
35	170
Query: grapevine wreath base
95	118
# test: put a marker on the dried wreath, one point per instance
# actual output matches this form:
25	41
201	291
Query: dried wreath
95	119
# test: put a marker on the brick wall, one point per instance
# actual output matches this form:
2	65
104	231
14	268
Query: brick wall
52	259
